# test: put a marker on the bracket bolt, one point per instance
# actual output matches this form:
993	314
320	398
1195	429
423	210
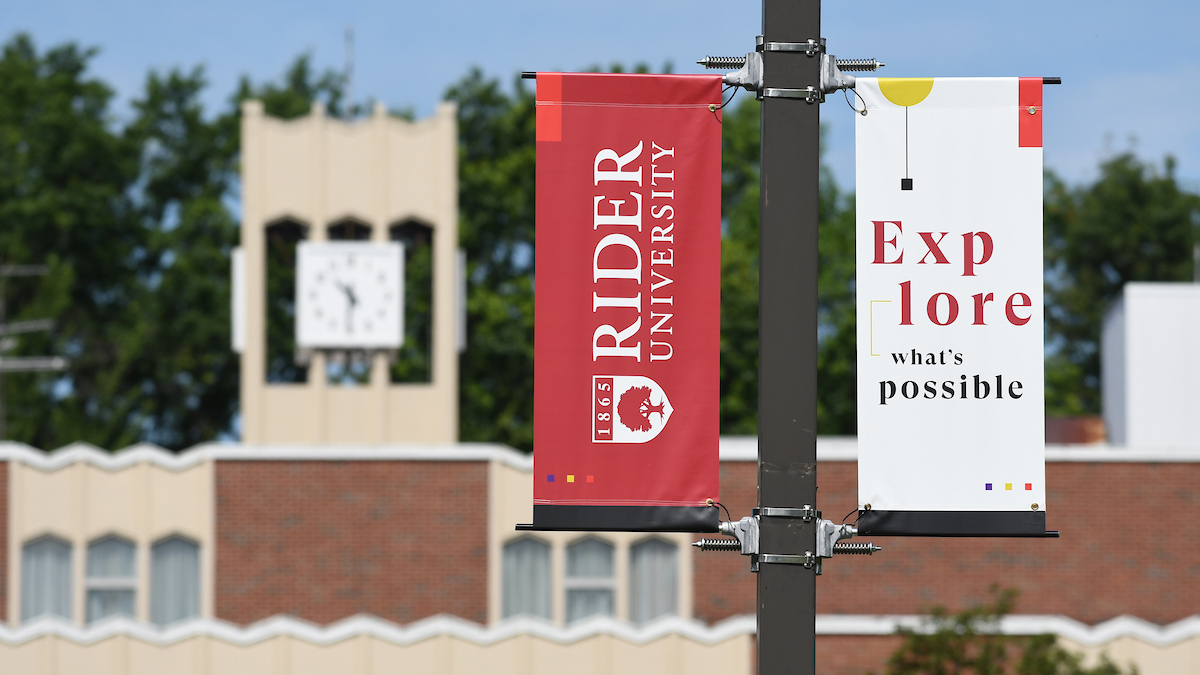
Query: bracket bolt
1034	506
856	548
706	544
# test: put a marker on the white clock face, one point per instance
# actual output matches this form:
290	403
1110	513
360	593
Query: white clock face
349	295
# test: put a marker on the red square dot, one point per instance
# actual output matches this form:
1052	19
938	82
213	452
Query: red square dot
591	479
1029	486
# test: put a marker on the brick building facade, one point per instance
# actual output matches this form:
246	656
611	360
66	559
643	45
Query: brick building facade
402	535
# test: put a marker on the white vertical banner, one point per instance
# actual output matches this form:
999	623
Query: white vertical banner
951	425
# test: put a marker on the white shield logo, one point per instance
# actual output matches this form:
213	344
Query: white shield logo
638	409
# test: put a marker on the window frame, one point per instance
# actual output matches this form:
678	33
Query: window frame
69	547
125	584
155	546
577	583
547	548
674	547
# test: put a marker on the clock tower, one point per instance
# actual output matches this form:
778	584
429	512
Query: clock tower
322	181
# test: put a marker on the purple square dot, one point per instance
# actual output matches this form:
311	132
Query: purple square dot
550	479
986	486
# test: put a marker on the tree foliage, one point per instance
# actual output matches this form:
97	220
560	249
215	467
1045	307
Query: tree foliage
496	179
971	643
1135	223
64	201
136	221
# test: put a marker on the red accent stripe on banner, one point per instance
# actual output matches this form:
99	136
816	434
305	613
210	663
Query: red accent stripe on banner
549	106
1029	125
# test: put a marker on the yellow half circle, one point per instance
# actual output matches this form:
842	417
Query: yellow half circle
906	91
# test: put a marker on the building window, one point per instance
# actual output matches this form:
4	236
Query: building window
589	581
282	364
111	579
413	361
526	578
653	580
349	229
46	579
174	580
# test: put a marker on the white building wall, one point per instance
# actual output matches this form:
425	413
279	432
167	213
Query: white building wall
1112	373
1151	366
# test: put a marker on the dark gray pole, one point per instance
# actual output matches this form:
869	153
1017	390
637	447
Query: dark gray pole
787	340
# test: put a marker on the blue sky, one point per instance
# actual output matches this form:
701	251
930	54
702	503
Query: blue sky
1130	70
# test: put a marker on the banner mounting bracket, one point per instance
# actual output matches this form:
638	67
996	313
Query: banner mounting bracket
749	73
807	512
746	542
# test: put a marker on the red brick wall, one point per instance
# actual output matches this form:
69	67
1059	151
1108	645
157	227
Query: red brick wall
325	540
1130	545
854	654
722	583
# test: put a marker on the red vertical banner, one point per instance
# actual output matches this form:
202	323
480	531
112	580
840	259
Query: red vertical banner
627	334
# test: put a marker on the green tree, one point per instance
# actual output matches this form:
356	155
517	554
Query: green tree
65	201
496	228
1135	223
136	224
970	642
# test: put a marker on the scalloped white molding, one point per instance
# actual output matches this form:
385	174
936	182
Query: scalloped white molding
827	624
1028	624
153	454
372	626
845	449
732	449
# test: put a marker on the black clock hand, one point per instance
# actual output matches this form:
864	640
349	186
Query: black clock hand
352	300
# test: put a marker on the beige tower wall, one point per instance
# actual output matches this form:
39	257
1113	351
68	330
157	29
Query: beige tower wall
380	171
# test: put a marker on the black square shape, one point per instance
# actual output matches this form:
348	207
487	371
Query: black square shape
905	183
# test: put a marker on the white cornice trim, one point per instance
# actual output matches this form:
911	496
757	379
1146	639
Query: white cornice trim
153	454
363	625
845	449
1027	624
732	449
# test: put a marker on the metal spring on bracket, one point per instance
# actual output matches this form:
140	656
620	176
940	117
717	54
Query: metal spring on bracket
718	545
856	549
855	65
723	62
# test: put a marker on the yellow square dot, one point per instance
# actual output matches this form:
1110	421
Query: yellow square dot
1007	486
571	479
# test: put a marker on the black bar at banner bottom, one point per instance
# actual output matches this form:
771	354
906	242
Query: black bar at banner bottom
953	524
570	518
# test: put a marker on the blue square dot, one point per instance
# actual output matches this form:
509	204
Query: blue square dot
550	479
986	486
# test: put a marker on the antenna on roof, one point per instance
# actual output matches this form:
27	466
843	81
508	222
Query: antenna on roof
348	75
21	364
